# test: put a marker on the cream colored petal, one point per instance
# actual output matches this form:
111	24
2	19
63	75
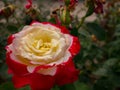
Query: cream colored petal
31	68
49	71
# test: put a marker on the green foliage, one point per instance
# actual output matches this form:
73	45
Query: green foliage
7	86
97	30
81	86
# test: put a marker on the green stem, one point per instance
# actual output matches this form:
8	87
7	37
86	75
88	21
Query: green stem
81	22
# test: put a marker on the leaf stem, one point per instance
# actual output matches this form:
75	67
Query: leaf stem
81	22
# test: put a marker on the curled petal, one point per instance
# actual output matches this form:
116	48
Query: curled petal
43	69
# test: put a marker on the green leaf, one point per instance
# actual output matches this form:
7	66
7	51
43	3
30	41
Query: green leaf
52	20
7	86
103	84
3	72
12	28
84	34
81	86
117	31
110	62
101	72
68	87
56	88
97	30
116	80
74	32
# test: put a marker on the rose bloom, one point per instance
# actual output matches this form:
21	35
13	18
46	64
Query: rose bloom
41	55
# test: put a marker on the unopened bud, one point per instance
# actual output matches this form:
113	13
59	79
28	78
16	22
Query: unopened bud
99	8
7	11
32	12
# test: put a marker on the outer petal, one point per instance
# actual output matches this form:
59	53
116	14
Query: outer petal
63	29
36	81
66	73
20	81
42	69
41	82
10	39
75	47
16	67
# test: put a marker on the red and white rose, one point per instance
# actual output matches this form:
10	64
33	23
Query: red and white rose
41	55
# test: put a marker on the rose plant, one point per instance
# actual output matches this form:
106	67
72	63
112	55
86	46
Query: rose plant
41	55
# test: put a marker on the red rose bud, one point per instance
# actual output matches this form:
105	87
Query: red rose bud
72	4
29	4
99	8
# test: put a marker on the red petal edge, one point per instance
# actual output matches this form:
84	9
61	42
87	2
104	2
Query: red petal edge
75	47
16	67
10	39
62	28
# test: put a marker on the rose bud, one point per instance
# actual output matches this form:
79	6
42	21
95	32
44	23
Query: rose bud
7	11
29	4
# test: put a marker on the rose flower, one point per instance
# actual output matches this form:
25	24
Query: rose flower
41	55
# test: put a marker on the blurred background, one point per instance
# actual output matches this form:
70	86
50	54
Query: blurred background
99	35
